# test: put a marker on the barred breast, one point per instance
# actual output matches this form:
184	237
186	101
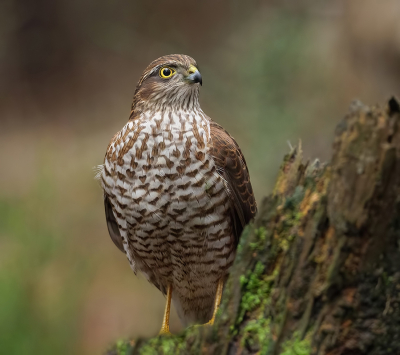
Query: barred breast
171	207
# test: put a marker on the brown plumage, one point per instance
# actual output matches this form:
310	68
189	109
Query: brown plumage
177	191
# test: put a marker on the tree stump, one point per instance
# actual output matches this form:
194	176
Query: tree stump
318	272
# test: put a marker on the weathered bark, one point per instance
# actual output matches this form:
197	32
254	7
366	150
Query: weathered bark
318	272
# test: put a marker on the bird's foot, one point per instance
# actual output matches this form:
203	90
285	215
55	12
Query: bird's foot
210	322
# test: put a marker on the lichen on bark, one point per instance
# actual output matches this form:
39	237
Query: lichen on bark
318	271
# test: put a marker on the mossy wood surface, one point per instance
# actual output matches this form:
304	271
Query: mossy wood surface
318	272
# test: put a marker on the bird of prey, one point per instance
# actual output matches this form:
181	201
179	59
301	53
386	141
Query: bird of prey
177	191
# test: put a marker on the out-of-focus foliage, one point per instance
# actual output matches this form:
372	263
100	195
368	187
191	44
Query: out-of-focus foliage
273	72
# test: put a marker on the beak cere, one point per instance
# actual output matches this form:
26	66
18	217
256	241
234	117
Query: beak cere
194	75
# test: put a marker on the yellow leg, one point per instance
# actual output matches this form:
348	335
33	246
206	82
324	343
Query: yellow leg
165	323
217	301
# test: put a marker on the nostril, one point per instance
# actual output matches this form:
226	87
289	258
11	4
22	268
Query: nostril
191	71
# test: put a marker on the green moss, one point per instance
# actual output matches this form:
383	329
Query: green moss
284	244
295	346
256	334
256	288
162	345
148	349
255	284
121	347
170	344
260	238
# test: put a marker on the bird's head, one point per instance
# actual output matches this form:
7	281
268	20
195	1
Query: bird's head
171	81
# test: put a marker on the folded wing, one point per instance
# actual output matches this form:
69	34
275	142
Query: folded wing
231	165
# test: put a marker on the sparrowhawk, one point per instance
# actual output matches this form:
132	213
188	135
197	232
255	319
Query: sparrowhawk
177	191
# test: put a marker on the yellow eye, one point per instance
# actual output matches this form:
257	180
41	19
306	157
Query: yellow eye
166	72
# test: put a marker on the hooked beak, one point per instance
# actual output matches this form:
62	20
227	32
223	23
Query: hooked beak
194	75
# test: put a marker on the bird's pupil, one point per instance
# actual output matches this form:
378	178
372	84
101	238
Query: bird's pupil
167	72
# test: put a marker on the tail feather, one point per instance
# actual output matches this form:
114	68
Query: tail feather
193	311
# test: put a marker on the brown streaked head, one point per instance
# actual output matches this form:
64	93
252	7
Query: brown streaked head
171	81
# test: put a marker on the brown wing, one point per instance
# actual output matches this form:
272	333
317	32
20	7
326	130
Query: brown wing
231	165
112	225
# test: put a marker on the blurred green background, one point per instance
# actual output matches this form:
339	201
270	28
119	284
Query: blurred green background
273	72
